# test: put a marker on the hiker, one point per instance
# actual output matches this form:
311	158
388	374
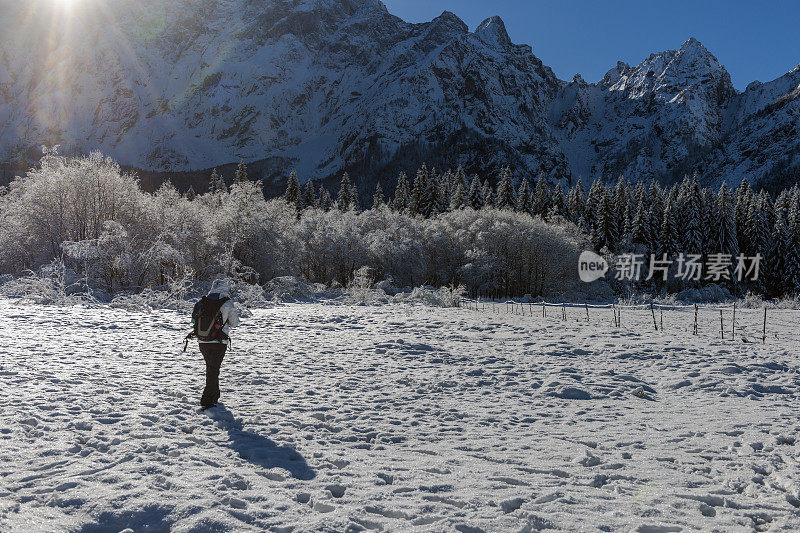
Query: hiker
213	317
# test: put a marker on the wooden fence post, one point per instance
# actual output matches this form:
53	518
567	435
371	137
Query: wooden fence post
695	320
733	326
765	326
653	312
721	325
587	311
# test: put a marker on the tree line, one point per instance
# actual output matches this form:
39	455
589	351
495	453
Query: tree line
617	218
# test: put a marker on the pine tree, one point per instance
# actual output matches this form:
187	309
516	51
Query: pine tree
655	215
402	198
441	194
576	204
593	202
608	223
458	199
541	197
445	184
345	194
428	204
292	194
488	194
605	232
691	217
558	203
744	199
670	238
779	260
419	192
793	229
377	199
524	197
460	178
241	173
505	191
325	201
623	209
352	199
708	208
640	225
310	198
217	183
725	217
475	194
190	194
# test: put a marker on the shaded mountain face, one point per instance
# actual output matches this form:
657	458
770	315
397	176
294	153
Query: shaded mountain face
323	86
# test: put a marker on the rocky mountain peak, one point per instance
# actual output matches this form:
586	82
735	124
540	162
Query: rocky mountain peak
452	22
322	86
665	75
492	31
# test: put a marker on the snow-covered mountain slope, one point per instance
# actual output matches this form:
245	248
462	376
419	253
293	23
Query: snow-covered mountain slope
327	85
398	418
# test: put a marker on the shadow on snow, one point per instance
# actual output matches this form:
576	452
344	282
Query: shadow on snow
260	450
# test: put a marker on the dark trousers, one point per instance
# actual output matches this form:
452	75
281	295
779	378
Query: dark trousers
213	354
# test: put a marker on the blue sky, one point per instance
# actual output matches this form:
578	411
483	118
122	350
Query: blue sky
753	40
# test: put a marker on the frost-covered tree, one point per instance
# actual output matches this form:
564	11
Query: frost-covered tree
725	221
669	236
292	194
576	204
402	194
458	198
594	200
780	267
505	191
241	173
345	196
353	199
692	219
460	178
378	200
475	194
441	194
655	214
744	199
541	197
421	199
640	226
524	201
558	204
217	184
605	232
488	194
325	201
310	197
758	227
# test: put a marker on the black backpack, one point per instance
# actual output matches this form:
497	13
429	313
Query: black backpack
207	321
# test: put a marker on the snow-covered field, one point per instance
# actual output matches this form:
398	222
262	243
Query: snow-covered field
395	418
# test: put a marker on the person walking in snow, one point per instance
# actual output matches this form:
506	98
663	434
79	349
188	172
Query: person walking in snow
213	317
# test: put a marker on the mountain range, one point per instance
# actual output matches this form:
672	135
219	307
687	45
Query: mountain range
176	87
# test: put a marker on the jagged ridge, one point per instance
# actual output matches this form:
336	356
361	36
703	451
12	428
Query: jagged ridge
327	85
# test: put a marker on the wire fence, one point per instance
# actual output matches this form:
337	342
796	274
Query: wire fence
729	322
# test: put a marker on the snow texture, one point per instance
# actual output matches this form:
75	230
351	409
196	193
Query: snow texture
396	418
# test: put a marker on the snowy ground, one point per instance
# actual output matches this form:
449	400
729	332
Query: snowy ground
395	418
